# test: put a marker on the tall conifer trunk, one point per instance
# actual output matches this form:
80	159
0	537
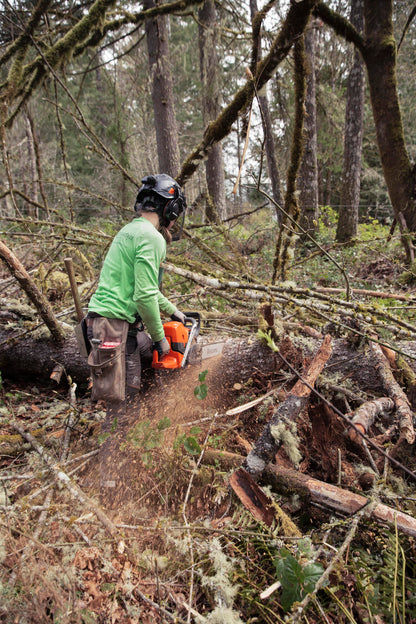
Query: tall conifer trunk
350	192
308	172
380	59
162	93
211	107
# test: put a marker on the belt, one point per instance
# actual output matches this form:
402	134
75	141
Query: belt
135	327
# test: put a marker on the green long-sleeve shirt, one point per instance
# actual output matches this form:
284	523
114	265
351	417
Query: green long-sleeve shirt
129	278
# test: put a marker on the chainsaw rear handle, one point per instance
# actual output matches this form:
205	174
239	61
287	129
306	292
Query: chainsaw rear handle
190	322
194	318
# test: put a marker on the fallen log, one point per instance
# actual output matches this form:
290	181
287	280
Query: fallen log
366	414
366	293
259	504
404	411
266	446
347	503
31	359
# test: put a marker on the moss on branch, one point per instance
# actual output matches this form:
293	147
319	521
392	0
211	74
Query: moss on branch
340	25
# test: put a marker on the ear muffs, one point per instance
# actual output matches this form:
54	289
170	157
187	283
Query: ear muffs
172	210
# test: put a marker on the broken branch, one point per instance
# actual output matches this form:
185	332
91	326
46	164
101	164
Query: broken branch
266	446
40	302
393	389
366	414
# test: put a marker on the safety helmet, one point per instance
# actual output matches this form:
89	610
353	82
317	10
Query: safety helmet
164	195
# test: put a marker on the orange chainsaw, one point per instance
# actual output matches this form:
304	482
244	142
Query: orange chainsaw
181	338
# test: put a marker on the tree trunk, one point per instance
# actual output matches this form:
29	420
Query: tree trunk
31	167
380	59
34	358
308	172
266	119
162	93
350	191
211	107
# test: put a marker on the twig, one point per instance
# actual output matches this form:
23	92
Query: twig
64	479
299	611
158	608
339	480
77	529
185	502
370	457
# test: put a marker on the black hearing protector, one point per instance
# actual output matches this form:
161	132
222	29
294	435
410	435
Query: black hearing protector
172	210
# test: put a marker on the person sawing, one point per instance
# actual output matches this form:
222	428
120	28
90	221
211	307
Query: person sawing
128	298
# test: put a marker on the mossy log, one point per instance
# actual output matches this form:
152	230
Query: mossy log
33	360
289	481
30	359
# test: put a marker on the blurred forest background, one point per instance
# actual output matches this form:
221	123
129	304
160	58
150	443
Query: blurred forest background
93	101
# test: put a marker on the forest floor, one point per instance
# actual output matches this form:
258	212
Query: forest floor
171	542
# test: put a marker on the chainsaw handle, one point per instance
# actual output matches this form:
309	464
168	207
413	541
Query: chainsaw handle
190	322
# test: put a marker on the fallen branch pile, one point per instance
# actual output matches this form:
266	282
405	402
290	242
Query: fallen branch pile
260	463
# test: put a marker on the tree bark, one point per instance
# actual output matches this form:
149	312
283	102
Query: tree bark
378	48
345	502
28	359
380	58
308	171
162	93
252	496
209	71
354	114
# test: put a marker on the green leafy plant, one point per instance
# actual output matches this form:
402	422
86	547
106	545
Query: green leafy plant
103	436
296	578
201	391
188	442
148	437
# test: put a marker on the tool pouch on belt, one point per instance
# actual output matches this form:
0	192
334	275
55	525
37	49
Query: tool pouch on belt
107	359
